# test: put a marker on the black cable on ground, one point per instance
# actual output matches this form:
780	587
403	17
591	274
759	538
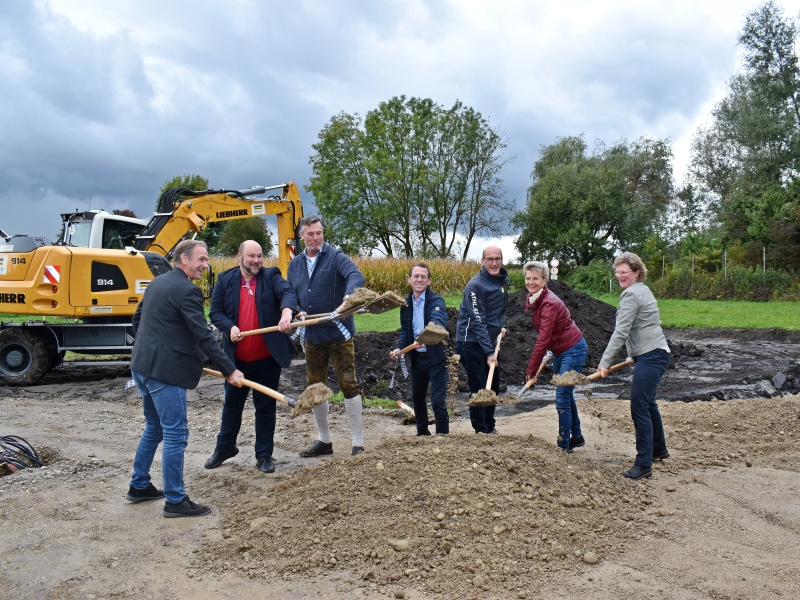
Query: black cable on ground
18	453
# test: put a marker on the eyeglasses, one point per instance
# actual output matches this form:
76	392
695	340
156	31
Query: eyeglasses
249	289
618	273
494	259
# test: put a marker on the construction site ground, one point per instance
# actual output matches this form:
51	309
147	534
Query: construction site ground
459	516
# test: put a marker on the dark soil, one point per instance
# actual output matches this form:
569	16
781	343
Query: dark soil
707	363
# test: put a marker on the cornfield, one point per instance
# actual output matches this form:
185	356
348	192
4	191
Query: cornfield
449	277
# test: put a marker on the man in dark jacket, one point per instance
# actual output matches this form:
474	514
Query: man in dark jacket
427	362
322	277
251	297
172	341
480	321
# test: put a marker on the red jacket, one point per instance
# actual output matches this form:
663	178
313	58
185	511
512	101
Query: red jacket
557	330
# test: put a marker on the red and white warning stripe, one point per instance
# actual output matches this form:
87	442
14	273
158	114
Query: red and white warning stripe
52	274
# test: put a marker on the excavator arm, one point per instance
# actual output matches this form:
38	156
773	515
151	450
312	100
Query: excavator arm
183	211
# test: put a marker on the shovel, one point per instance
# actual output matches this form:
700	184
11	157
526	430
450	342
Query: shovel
377	304
574	378
315	394
487	397
529	384
430	336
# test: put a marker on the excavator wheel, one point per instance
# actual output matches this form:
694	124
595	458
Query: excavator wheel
24	356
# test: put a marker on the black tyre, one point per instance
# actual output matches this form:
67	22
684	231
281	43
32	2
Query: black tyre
25	356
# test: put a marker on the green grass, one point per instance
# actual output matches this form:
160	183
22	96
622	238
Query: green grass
724	314
371	401
390	321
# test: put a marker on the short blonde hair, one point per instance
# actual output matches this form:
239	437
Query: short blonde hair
634	262
541	267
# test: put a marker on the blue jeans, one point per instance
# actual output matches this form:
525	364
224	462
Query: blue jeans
647	372
569	425
267	372
474	361
423	373
164	407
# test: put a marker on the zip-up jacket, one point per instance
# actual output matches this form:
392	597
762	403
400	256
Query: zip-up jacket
334	277
557	331
483	309
435	311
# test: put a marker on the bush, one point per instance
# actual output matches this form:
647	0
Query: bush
742	283
592	278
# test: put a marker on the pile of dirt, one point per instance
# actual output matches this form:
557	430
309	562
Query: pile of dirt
375	369
449	515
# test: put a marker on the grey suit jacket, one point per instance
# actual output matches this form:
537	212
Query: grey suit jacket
638	324
172	337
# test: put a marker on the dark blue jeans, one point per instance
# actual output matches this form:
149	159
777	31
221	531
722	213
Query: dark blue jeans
647	371
266	372
474	361
573	359
423	373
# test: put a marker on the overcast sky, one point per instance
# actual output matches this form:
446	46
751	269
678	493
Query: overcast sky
110	99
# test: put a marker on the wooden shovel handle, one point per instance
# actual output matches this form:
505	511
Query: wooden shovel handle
611	369
408	348
493	365
529	383
253	386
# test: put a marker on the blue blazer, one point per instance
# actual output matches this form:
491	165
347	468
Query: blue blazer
273	294
436	311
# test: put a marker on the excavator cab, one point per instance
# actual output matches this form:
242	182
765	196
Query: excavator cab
99	229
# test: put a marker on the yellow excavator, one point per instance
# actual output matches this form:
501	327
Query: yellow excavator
81	292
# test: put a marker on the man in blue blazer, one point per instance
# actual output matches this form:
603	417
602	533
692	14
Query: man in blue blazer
249	297
172	342
427	362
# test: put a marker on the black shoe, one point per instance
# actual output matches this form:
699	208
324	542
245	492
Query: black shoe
318	448
663	456
638	472
357	450
423	433
220	457
567	450
185	508
265	464
148	493
576	442
494	430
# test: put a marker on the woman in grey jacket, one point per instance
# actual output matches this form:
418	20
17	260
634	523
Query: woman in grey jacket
639	328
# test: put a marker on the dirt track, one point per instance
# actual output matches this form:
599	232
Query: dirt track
504	516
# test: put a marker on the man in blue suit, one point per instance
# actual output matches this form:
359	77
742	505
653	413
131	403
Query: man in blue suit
249	297
427	362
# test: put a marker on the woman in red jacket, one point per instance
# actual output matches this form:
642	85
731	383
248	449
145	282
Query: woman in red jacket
559	334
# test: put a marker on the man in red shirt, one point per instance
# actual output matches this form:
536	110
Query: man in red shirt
249	297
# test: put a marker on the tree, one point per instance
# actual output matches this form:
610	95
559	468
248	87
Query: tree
411	178
583	207
747	161
124	212
213	232
235	232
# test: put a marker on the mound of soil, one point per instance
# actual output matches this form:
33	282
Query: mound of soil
446	514
375	370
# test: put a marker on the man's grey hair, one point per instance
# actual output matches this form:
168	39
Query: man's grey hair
310	220
539	267
186	247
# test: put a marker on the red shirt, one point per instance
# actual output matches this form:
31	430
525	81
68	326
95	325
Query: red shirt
252	347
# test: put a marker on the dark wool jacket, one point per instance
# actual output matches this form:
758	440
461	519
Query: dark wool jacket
172	336
557	330
435	310
483	309
273	294
335	276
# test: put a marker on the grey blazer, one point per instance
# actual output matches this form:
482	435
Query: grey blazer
172	336
638	324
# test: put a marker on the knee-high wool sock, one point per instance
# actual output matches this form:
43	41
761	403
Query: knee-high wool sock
321	417
353	408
